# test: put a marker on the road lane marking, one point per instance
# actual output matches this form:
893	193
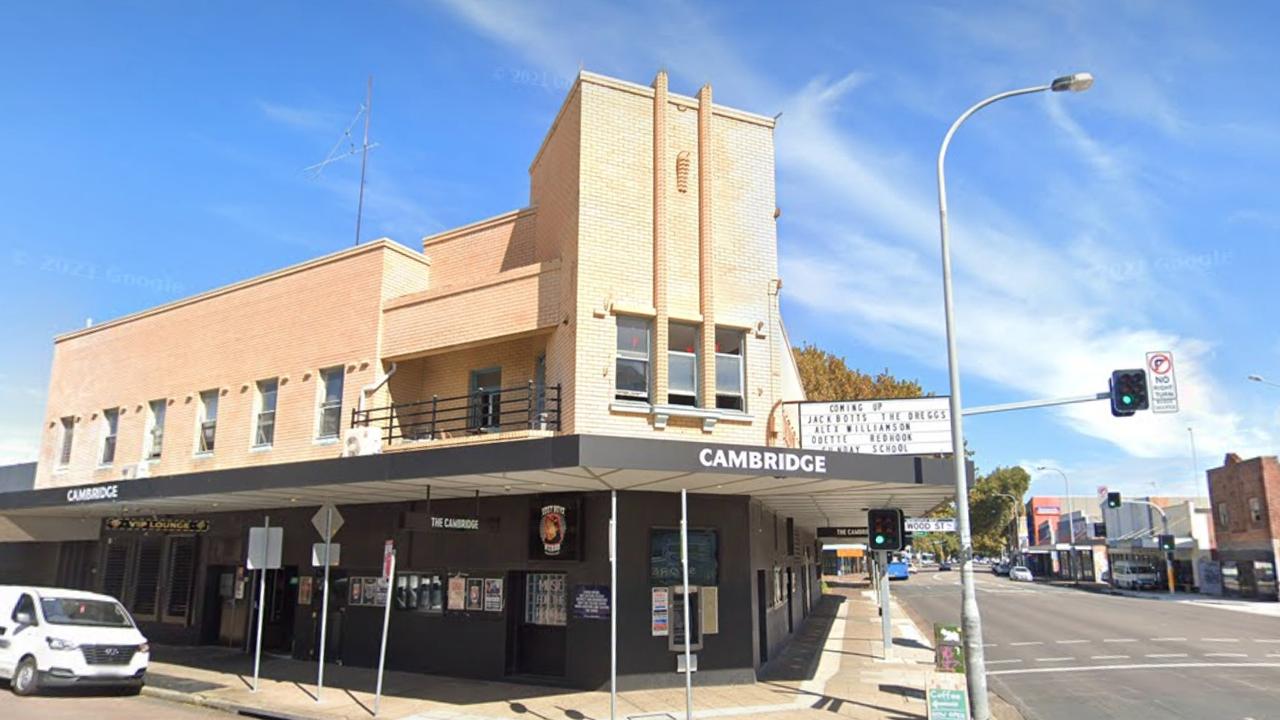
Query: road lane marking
1057	659
1109	657
1031	642
1168	639
1070	642
1259	640
1226	655
1144	666
990	645
1001	662
1119	640
1273	654
1166	655
1218	640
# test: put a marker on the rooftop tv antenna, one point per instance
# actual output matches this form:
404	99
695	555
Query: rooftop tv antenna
336	153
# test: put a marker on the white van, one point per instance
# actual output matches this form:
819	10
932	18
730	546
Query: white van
1135	575
55	637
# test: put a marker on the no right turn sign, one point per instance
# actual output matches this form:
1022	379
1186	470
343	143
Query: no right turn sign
1163	388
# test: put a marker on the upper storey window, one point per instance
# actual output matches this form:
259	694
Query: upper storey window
632	365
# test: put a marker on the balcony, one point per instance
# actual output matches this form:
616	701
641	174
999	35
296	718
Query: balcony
482	415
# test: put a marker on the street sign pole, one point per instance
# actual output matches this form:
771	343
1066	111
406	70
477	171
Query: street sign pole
684	570
389	572
262	599
324	602
613	600
886	627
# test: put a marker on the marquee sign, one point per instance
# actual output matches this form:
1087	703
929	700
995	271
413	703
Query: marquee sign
915	426
156	525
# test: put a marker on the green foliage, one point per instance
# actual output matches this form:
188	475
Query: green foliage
826	377
991	511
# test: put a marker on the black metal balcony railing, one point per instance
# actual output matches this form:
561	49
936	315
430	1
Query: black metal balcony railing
524	407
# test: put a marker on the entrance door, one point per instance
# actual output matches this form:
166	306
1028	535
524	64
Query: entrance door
540	628
486	400
762	607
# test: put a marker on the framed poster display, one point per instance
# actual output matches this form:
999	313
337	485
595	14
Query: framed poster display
357	591
457	592
475	593
493	595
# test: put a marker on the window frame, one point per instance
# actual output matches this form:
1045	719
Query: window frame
741	359
620	354
259	411
203	421
1224	516
1255	510
324	405
696	395
153	435
67	430
110	437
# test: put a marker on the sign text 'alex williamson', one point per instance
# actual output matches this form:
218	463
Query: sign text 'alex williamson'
762	460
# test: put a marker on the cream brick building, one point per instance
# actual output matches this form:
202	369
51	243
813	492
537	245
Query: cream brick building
495	404
646	207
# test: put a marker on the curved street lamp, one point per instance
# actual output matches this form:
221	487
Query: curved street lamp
1264	381
970	619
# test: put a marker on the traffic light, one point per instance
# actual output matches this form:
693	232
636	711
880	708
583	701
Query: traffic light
1128	392
884	529
1113	500
1167	543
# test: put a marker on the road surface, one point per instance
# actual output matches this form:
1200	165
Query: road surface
98	706
1063	654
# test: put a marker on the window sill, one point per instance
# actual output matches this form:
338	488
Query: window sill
261	448
202	455
326	441
104	466
662	413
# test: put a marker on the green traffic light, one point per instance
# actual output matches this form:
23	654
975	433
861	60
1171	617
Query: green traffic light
1126	399
879	539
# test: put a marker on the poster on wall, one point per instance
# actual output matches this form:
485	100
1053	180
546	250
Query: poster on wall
304	590
660	603
457	592
493	594
475	594
710	609
555	528
357	591
591	602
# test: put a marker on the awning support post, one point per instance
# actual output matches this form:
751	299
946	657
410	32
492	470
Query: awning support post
613	601
684	571
262	600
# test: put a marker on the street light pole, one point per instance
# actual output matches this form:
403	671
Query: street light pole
1264	381
1014	544
970	619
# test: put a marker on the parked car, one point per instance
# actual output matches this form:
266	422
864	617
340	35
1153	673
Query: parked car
944	566
56	637
1020	573
1000	568
1135	575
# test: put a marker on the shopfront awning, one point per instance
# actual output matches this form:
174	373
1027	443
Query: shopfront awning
816	488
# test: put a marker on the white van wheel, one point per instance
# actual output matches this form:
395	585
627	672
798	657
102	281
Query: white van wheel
26	678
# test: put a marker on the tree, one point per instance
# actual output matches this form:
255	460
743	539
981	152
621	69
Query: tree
990	511
942	545
826	377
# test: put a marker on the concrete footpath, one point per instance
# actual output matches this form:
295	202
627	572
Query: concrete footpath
833	665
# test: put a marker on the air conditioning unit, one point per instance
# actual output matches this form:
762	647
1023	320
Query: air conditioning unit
362	441
142	469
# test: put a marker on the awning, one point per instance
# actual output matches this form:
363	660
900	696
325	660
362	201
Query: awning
816	488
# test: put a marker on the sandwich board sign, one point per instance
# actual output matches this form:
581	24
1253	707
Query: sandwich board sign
1161	384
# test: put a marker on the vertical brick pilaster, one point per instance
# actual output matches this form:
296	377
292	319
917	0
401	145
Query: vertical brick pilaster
660	276
706	250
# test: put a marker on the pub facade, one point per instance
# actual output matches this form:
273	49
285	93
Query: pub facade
477	403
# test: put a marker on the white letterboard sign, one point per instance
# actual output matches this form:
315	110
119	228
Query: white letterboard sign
917	426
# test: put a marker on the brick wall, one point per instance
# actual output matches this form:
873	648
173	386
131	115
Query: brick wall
1233	485
285	325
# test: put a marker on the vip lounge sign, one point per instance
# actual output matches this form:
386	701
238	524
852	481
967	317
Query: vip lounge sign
156	525
916	426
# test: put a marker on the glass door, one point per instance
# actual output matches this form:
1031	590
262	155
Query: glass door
486	400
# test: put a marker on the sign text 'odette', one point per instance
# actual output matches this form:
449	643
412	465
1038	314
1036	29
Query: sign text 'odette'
916	426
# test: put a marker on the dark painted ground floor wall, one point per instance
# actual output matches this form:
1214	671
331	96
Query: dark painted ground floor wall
520	596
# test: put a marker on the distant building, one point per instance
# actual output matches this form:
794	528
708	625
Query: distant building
1133	531
1243	493
1050	520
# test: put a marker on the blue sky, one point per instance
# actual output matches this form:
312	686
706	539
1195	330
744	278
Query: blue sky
156	150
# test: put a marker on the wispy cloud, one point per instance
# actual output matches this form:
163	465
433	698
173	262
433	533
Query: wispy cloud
300	118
